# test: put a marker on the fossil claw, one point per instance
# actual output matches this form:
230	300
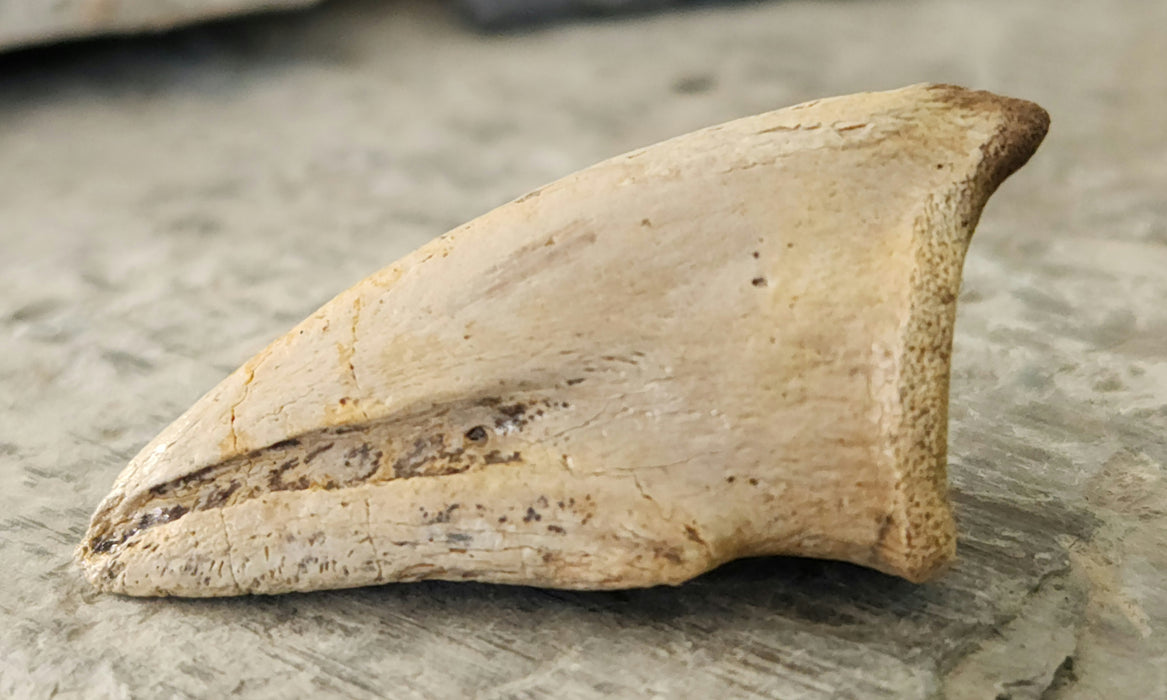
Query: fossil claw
733	343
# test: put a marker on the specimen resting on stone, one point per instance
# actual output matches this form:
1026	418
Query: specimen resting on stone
730	344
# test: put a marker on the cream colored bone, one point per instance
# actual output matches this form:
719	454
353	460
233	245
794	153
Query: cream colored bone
729	344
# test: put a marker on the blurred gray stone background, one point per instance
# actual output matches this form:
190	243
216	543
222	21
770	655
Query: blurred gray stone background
170	203
28	22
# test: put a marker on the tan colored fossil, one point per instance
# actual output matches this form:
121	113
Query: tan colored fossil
729	344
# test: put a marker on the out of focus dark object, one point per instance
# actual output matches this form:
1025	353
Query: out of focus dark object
28	22
506	14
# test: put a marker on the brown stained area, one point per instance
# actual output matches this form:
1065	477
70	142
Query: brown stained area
496	457
668	553
1022	127
442	516
337	458
430	456
692	534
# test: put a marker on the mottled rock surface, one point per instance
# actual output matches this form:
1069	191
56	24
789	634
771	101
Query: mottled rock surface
168	205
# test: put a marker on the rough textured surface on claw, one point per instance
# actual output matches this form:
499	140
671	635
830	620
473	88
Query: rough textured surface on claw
728	344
